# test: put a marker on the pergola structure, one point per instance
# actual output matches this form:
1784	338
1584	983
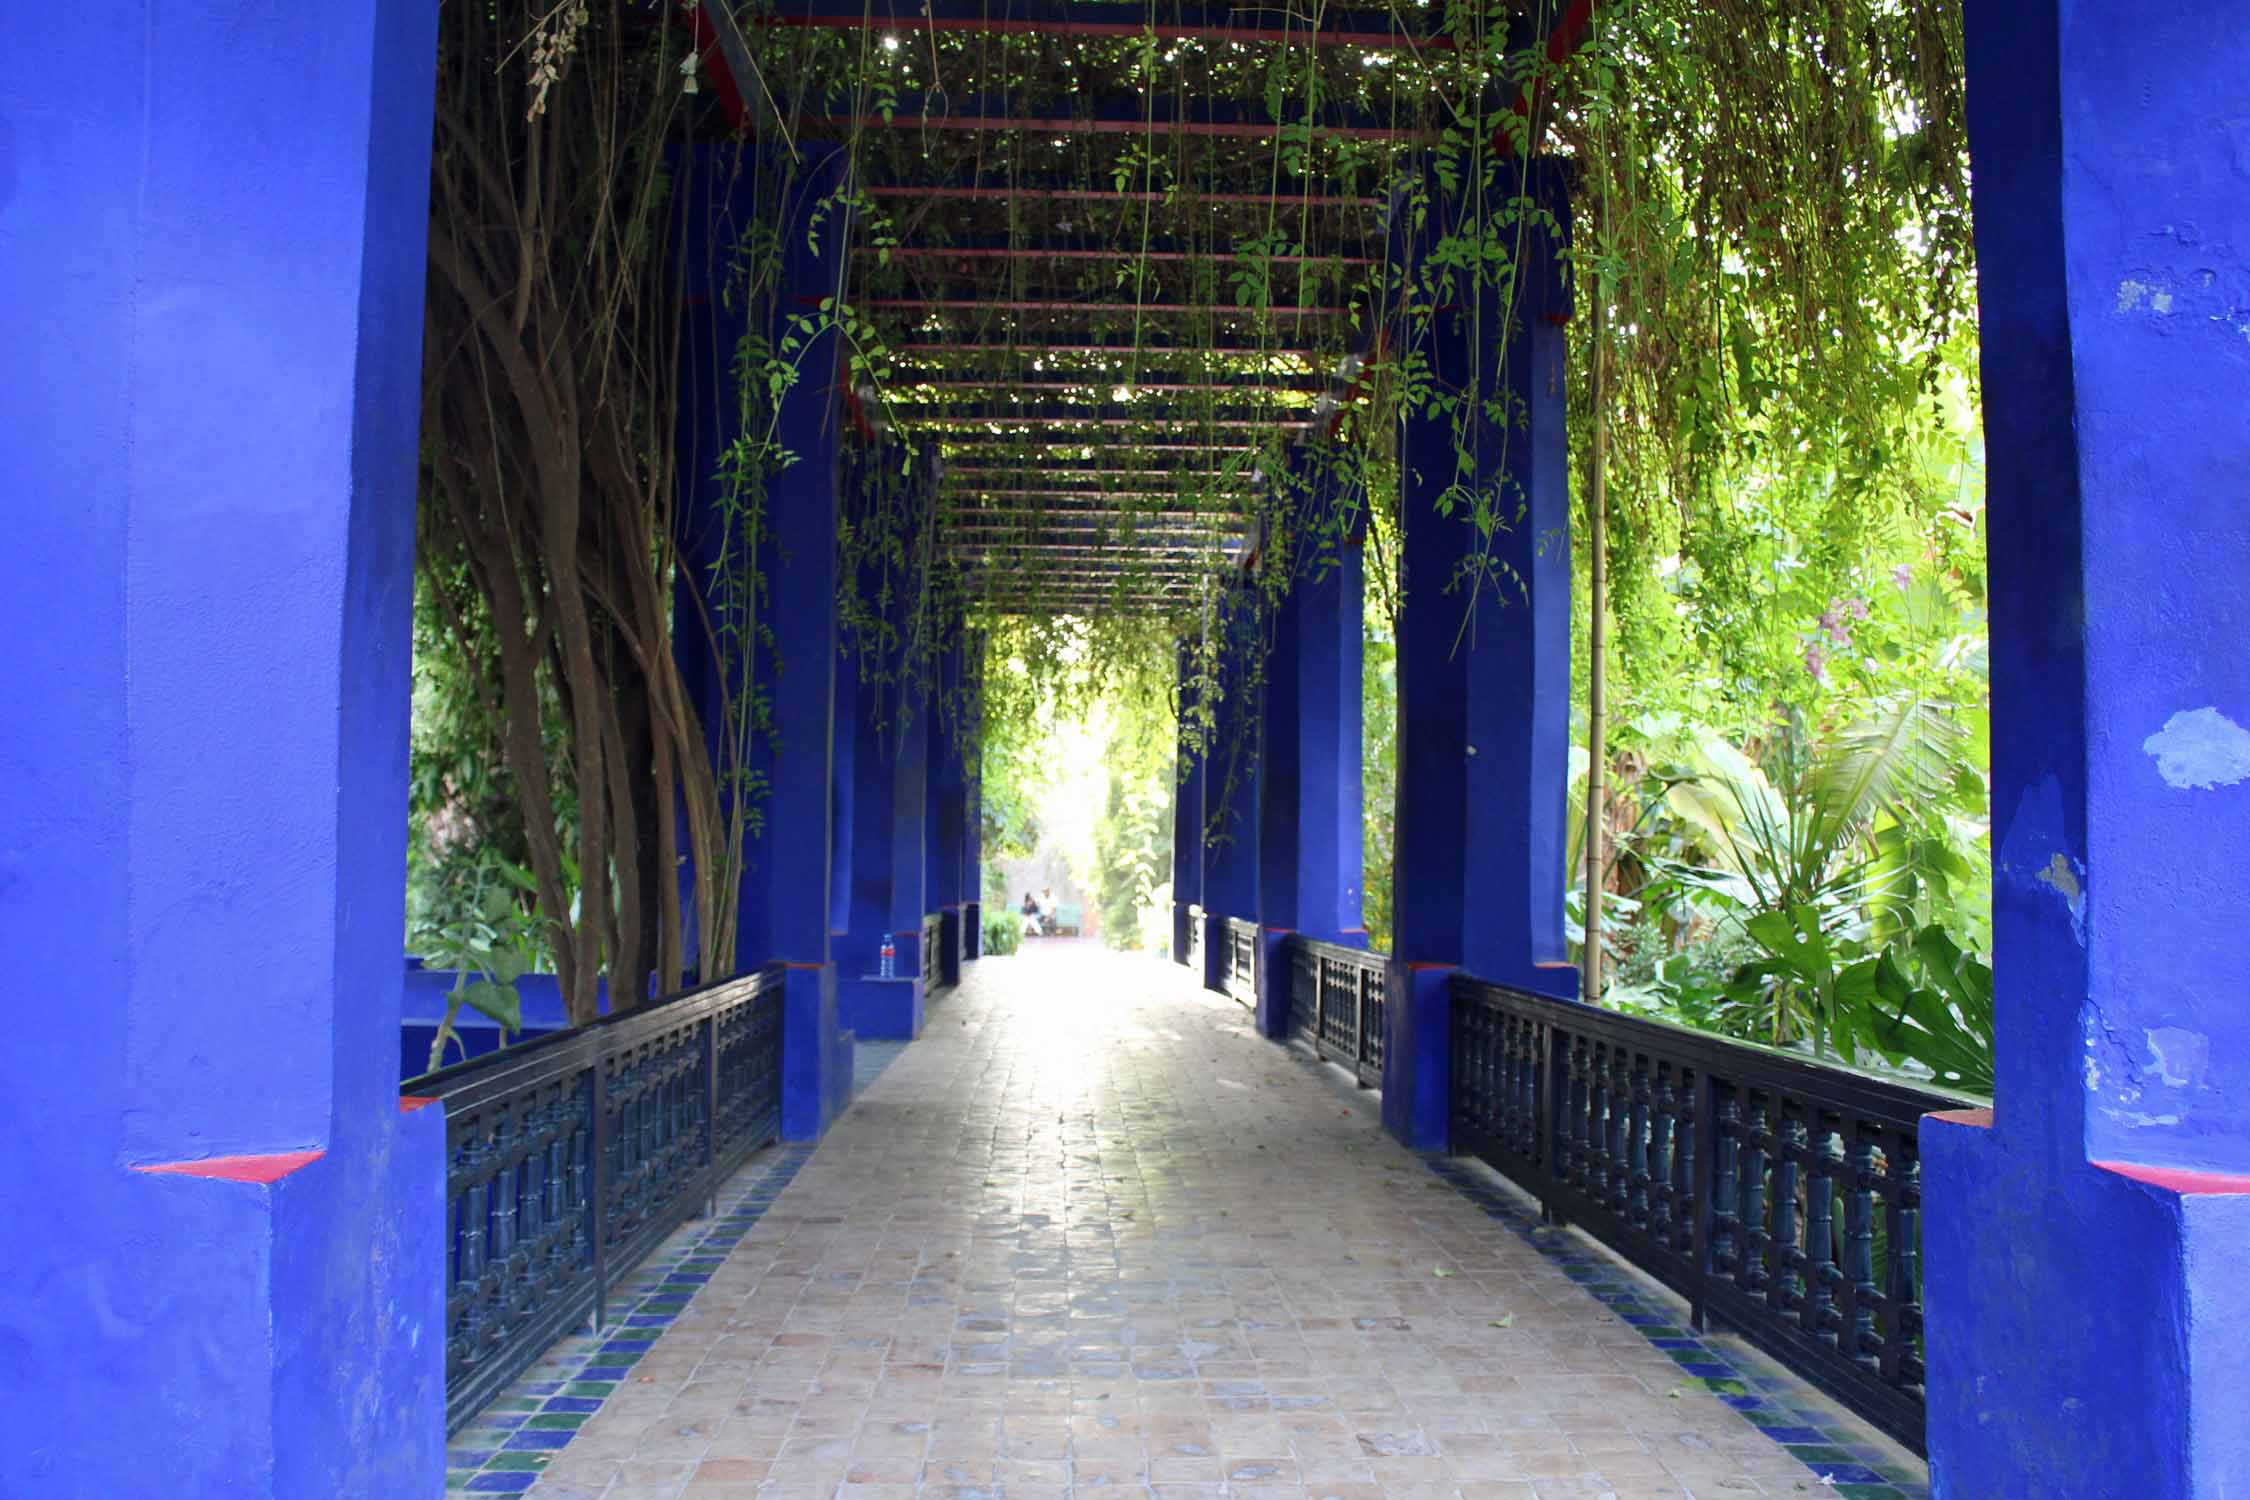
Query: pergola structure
228	1239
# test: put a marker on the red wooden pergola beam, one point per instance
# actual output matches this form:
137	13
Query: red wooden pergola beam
1098	309
1054	388
952	351
1075	125
1123	252
1217	424
1163	31
717	41
1072	509
1103	195
967	469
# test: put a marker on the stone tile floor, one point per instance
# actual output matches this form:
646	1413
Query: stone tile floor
1092	1233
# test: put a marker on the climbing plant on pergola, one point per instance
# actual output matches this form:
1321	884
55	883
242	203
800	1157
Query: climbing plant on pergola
1129	273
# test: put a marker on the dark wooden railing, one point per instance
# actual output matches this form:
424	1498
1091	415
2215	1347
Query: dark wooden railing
933	958
1336	1005
1242	961
1779	1195
569	1158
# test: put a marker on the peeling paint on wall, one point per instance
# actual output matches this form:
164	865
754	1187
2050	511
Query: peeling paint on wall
2200	749
2034	851
2178	1057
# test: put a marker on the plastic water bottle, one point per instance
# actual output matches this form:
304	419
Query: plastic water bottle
890	957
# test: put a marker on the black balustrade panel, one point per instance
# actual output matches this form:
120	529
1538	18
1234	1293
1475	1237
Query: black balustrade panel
1336	1005
569	1158
1779	1195
1195	940
933	968
1242	961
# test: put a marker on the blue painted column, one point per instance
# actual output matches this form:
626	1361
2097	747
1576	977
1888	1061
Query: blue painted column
972	797
224	1240
910	840
799	565
715	599
1279	753
2087	1243
1484	663
944	809
1309	832
1187	817
1231	780
889	804
844	760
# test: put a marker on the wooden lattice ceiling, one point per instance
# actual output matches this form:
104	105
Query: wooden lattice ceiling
1064	319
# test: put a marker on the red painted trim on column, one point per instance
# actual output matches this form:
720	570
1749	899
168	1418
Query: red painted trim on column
788	964
1424	965
1980	1119
2182	1180
408	1103
268	1168
1280	931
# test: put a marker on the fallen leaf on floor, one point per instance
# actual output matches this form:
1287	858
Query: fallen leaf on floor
1441	1270
1505	1320
1674	1393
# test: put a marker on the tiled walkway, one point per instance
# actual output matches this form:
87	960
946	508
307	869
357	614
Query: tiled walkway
1090	1232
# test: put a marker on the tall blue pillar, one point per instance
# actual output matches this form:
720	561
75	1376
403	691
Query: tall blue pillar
799	566
1484	656
945	810
889	801
1310	815
971	750
1187	817
2087	1242
767	591
845	762
224	1240
1231	777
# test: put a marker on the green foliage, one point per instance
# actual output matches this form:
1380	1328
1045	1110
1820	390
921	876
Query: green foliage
1810	887
1922	999
1378	736
1133	849
489	942
1003	934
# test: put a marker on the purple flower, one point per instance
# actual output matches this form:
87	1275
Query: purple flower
1816	661
1856	607
1832	621
1903	575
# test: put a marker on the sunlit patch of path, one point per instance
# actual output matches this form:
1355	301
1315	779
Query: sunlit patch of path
1090	1232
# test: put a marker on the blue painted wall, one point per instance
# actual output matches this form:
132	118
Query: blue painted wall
210	322
2088	1321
